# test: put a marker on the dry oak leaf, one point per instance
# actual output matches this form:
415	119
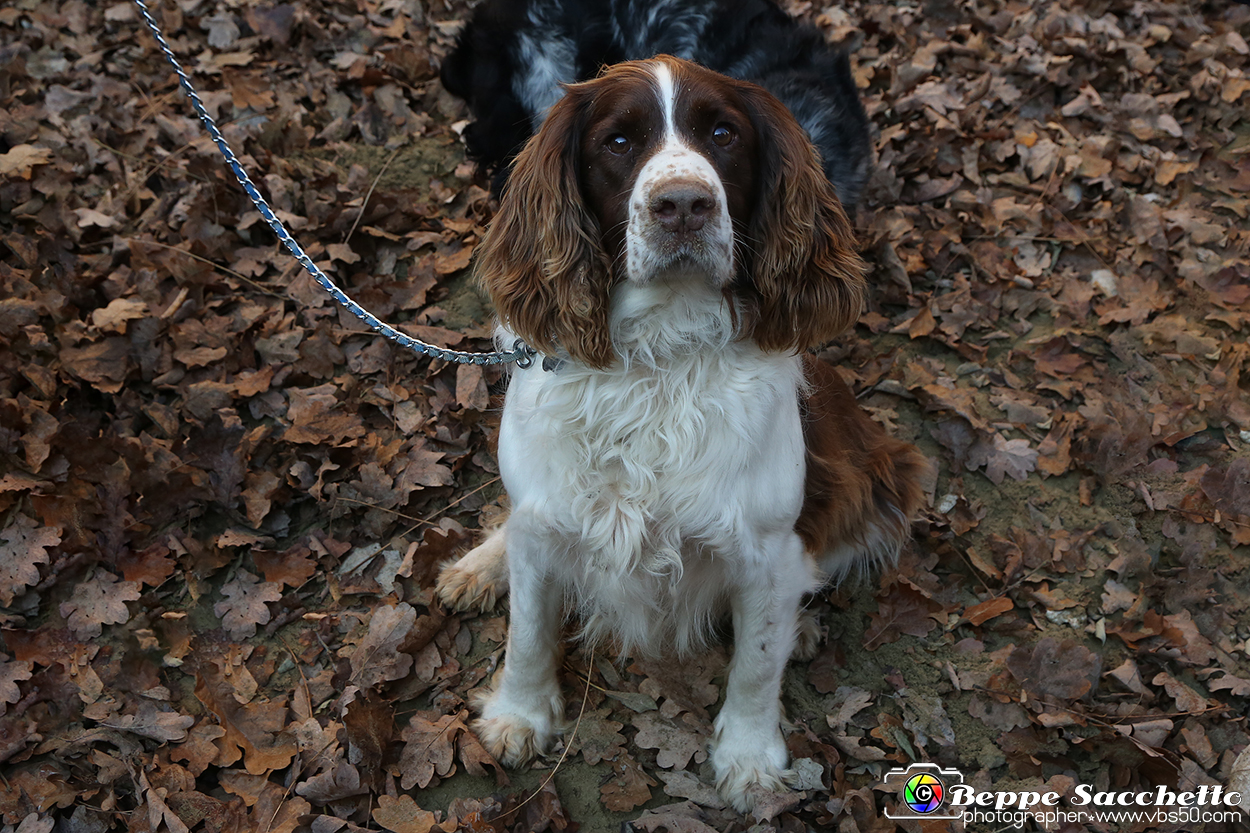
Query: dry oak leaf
199	750
291	568
12	671
253	732
150	721
246	604
850	701
980	613
903	610
475	758
1011	457
113	318
471	388
377	658
20	160
150	566
158	810
682	784
1066	670
335	784
98	601
676	743
429	743
23	545
1238	686
103	364
1187	700
599	738
629	787
686	817
402	815
277	811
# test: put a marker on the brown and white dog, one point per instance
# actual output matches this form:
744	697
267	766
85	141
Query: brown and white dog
670	244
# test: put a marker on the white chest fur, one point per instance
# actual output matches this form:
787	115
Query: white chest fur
649	482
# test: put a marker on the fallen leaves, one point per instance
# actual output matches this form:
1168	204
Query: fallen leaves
195	437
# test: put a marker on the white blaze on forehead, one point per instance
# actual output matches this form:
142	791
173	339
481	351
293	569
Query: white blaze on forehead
667	90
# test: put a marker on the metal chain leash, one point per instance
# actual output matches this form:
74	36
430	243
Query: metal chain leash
520	353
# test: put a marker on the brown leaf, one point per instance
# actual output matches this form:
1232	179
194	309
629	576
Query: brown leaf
377	658
1236	686
448	260
103	364
599	738
1011	457
334	784
12	672
19	160
246	604
471	388
422	469
686	817
151	721
849	701
99	601
1051	668
1001	717
370	724
316	419
676	742
1187	700
24	545
402	815
199	750
682	784
475	758
903	610
429	744
981	613
292	568
1128	676
151	565
253	732
629	787
113	318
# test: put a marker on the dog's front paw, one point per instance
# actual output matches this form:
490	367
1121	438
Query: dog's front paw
478	579
747	768
515	734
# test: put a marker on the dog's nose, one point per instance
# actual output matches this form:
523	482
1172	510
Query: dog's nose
683	207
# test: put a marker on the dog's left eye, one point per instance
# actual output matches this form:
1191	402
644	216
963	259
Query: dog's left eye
723	135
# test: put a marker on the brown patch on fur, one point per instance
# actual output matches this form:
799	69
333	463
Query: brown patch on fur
857	474
541	260
807	276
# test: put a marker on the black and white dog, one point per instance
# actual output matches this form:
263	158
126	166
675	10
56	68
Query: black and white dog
513	55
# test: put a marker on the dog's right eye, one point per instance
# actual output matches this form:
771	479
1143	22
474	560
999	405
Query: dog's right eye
618	143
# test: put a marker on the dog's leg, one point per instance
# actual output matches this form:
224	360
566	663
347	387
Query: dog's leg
748	749
478	578
522	715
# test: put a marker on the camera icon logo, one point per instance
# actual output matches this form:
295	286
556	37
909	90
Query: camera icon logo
923	792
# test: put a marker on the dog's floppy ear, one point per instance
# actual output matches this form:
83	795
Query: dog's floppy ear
541	259
808	279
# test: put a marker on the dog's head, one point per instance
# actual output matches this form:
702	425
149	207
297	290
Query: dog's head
661	168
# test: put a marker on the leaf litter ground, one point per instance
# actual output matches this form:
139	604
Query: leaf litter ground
222	503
